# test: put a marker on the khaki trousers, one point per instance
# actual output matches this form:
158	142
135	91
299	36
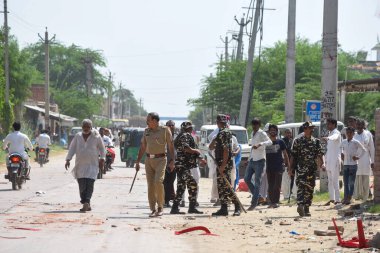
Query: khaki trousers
155	174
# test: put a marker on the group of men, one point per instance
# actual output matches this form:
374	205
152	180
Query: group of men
170	156
300	158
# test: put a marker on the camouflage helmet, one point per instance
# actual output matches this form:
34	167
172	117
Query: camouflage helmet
186	125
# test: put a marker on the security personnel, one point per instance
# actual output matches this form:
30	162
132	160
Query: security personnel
155	140
223	155
187	154
306	150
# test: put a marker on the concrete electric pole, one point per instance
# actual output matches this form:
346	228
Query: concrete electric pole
329	70
248	85
226	54
110	92
47	41
6	53
290	64
242	24
88	63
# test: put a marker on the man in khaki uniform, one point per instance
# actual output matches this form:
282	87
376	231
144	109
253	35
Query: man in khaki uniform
154	142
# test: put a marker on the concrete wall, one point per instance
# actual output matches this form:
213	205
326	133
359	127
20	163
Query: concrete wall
376	171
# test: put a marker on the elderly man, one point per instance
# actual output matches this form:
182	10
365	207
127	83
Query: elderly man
365	163
170	176
156	140
87	146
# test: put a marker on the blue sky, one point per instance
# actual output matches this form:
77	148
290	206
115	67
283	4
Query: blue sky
161	49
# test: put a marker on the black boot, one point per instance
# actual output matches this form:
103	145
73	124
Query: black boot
175	209
237	210
301	210
223	211
307	211
192	208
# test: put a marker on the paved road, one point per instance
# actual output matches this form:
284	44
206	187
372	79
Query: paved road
118	223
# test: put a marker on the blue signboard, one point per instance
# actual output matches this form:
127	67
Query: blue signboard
313	110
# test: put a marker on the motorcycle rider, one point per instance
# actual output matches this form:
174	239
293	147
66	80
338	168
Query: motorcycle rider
43	141
17	142
107	142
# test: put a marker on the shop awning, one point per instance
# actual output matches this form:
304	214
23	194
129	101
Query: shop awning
63	119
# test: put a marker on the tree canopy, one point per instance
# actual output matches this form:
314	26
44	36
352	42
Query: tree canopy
221	92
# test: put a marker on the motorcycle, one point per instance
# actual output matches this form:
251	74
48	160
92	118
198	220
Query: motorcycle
42	154
18	170
110	156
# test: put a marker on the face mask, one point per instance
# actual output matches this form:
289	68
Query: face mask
86	132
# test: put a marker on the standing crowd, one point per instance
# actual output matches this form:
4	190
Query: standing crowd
275	164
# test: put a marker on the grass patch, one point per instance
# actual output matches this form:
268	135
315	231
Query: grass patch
323	196
374	209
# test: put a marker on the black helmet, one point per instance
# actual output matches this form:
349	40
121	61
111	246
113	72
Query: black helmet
186	125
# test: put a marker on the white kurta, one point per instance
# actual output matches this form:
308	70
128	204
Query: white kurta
333	160
87	155
364	163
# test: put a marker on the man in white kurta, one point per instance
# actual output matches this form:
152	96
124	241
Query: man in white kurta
365	163
90	153
333	160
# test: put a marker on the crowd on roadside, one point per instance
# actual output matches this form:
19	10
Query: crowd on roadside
289	165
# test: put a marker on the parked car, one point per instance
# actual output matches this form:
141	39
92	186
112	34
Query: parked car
242	137
295	127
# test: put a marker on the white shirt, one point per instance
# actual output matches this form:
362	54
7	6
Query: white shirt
18	142
334	141
87	155
260	137
235	144
352	148
43	140
107	141
364	163
213	134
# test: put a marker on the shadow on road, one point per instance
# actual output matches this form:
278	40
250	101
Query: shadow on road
63	211
6	190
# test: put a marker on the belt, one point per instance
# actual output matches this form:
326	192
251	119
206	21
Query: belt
155	155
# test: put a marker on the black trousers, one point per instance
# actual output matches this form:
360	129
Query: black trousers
274	186
169	185
86	188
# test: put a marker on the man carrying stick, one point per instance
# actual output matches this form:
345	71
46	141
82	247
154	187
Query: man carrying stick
223	155
154	143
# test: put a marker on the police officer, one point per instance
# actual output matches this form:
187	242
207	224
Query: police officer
155	141
306	150
187	154
223	155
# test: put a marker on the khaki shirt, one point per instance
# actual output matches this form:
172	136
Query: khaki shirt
156	140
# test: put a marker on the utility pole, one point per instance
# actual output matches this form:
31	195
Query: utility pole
88	64
226	54
110	92
47	41
248	84
120	102
6	53
290	64
242	24
140	107
329	70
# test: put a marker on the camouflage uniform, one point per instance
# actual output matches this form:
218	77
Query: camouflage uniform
223	139
184	163
305	151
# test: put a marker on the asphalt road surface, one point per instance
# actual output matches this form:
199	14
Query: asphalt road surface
44	217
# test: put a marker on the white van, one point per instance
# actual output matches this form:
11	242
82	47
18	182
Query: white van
295	128
241	136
